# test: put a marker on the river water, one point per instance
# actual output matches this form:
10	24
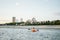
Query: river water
25	34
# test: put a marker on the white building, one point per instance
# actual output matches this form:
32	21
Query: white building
34	20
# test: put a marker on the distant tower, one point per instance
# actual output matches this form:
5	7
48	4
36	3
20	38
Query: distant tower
21	19
13	19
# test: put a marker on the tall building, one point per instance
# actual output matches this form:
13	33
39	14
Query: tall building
21	19
13	19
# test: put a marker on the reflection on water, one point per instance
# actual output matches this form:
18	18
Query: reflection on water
25	34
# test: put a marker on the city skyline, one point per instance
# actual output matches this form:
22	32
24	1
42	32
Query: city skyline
27	9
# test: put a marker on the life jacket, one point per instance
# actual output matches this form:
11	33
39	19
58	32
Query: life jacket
33	30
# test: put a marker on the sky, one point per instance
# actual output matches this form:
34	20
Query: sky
27	9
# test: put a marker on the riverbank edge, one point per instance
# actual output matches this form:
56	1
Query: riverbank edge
26	27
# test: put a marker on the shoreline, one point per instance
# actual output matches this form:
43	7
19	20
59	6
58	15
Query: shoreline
37	26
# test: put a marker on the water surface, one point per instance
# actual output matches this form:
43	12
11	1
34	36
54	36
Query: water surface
25	34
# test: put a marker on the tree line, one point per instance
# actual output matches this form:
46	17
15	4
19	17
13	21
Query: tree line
54	22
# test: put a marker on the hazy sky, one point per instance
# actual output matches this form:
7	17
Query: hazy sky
27	9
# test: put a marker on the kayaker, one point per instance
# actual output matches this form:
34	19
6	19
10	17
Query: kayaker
33	29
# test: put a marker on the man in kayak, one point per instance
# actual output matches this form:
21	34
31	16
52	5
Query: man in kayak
34	30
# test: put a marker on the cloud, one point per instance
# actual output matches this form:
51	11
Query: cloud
58	14
17	4
46	0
